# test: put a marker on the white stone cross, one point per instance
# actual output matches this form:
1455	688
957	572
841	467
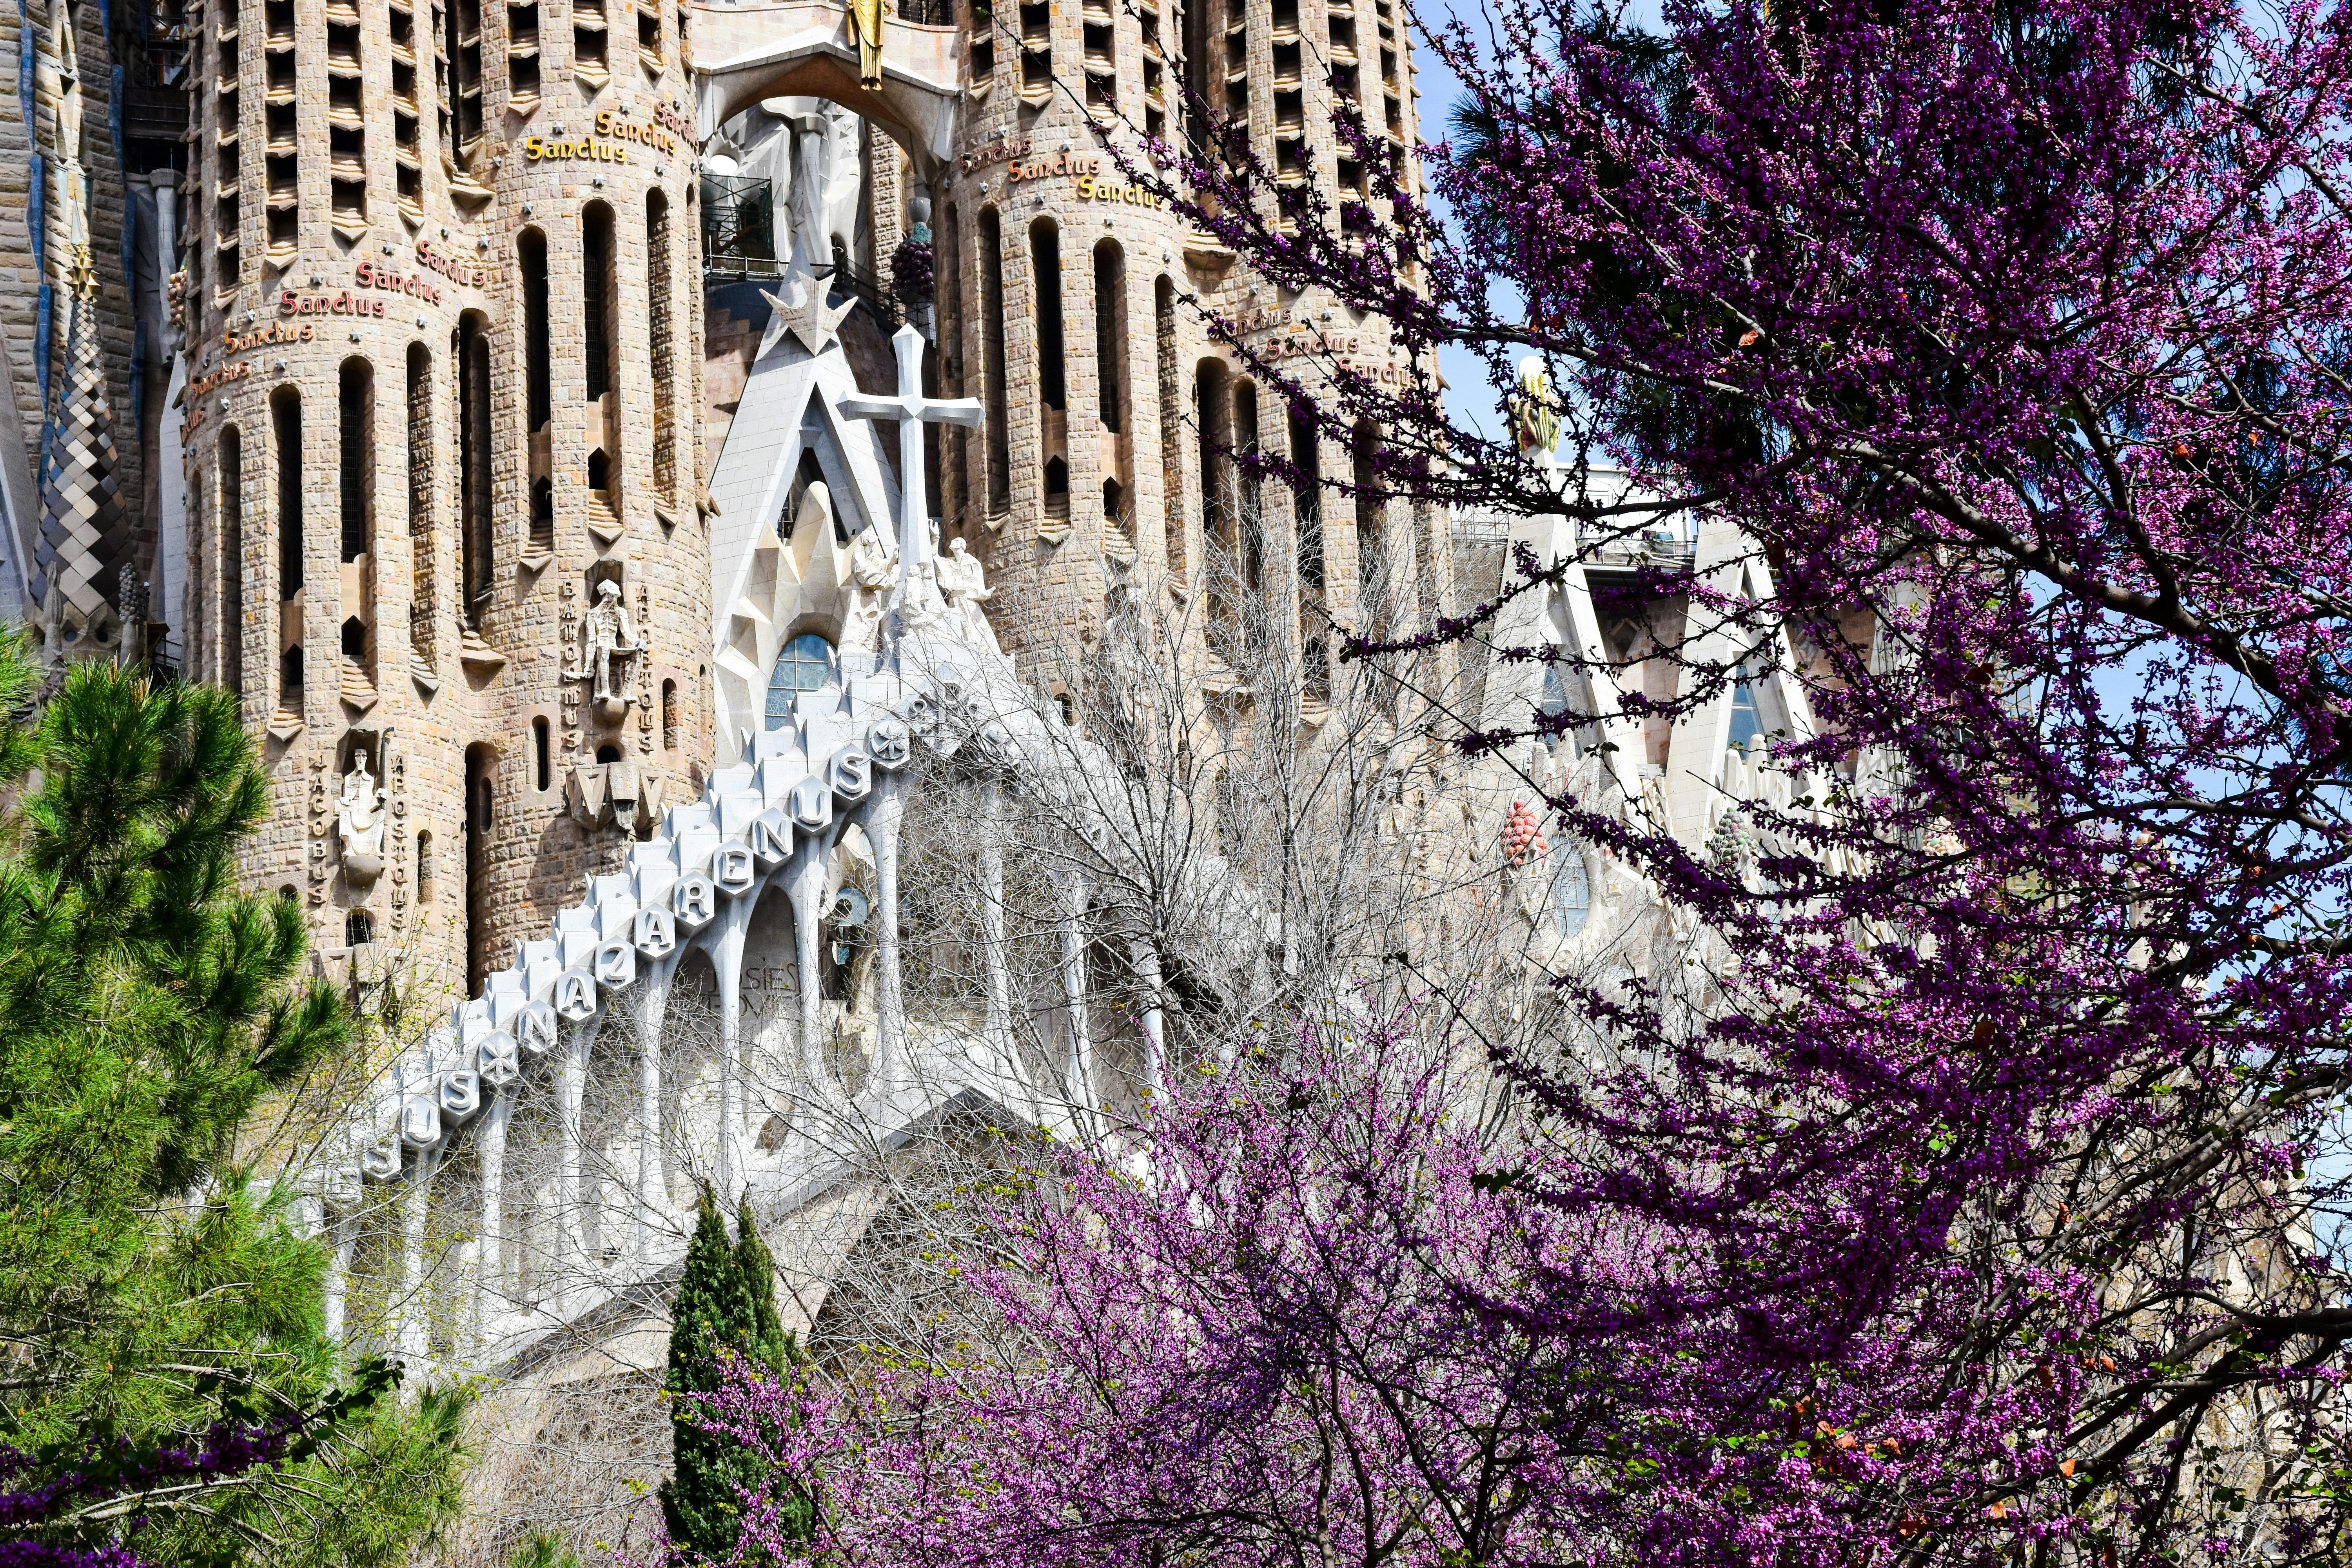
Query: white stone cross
912	410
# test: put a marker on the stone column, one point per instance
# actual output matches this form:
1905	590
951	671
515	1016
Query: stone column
571	1092
727	963
997	1025
653	1184
493	1302
415	1342
1081	1066
890	1030
806	888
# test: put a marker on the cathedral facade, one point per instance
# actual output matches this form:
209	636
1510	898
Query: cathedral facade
399	417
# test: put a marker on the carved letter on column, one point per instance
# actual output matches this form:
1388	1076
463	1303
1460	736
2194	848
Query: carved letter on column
321	824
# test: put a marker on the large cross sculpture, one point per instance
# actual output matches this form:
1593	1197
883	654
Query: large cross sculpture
912	410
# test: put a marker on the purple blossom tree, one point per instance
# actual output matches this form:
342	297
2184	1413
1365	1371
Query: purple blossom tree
1971	1209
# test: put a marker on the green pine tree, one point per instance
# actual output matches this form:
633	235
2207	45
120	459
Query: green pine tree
713	1327
147	1004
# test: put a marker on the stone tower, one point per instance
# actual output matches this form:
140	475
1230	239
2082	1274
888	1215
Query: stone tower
1072	305
449	413
441	315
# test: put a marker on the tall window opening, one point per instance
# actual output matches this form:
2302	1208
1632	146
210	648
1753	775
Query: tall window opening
1110	331
474	465
1306	455
659	286
597	295
669	716
286	433
1250	530
1171	436
1046	262
1220	540
354	421
600	305
530	254
991	334
1372	516
229	610
425	888
543	768
421	652
955	498
1114	403
481	773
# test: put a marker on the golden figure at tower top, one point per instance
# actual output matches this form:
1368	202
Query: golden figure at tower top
1535	410
866	24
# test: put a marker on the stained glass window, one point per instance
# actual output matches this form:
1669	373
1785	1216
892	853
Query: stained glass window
805	664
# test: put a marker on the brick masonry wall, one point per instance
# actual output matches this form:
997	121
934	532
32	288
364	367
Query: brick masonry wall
483	682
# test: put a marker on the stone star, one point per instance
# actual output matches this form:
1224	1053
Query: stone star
807	316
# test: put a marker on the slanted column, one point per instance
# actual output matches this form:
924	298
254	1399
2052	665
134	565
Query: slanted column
806	888
571	1093
1145	954
342	1232
727	963
653	1182
890	1034
1081	1068
997	1024
491	1302
415	1340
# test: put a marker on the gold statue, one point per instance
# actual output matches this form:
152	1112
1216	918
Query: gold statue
1535	411
866	32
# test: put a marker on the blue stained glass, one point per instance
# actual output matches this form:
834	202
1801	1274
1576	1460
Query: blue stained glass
1571	892
1745	723
804	665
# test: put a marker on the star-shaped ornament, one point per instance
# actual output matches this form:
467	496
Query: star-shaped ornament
806	315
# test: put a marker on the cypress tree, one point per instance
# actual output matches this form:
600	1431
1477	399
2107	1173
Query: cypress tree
769	1345
772	1344
712	1327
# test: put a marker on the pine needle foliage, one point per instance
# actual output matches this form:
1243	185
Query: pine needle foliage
150	1290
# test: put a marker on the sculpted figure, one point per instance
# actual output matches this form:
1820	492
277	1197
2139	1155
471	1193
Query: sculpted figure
925	608
965	582
872	570
609	647
359	821
865	26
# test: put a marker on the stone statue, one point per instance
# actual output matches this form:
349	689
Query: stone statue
873	571
923	608
965	582
610	650
359	822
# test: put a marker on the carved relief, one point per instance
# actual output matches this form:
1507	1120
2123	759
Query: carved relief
396	781
644	674
321	820
612	655
359	822
569	633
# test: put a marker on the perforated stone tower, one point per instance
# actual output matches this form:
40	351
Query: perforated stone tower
433	376
441	313
1071	304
